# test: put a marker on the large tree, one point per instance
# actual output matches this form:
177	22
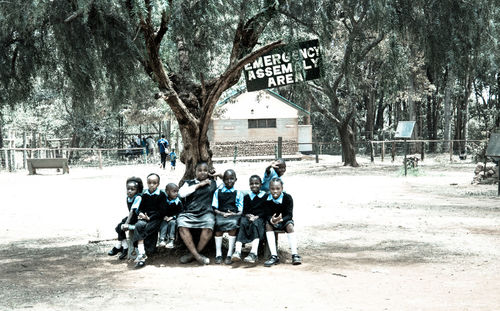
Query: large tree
191	50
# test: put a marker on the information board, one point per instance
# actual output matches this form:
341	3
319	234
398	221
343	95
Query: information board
493	150
404	129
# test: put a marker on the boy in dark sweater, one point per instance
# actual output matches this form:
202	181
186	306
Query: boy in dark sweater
172	208
149	215
279	208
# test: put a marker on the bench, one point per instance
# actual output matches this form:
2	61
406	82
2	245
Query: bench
34	164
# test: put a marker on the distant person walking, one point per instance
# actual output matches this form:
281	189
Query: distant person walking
163	148
150	145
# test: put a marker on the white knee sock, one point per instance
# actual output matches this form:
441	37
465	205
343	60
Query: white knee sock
118	244
292	241
255	246
218	246
230	249
140	247
271	242
239	245
124	244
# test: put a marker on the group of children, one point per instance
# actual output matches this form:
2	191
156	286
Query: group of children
245	217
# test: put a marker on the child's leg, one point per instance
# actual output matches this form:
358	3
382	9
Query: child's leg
163	230
255	246
231	240
271	239
171	229
292	239
218	244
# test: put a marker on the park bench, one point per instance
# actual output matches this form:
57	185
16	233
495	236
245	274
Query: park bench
59	163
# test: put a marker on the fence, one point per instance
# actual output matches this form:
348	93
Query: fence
15	158
12	159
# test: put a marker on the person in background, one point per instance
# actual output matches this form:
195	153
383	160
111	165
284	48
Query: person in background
163	149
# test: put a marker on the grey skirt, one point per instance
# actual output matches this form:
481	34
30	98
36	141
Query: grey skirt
226	223
189	220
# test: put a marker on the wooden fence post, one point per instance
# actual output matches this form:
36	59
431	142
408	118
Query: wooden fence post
280	147
372	155
422	153
100	158
383	152
451	150
393	151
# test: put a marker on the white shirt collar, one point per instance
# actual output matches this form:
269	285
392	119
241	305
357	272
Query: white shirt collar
156	192
260	194
279	200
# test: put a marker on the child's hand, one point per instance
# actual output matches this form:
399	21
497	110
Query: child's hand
167	219
143	216
124	227
250	216
275	164
204	182
276	219
227	214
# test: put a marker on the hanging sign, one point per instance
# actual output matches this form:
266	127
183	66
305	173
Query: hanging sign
284	65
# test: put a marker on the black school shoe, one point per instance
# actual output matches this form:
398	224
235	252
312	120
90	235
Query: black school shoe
124	254
115	251
218	260
296	259
274	260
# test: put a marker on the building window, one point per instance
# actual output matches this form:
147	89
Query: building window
261	123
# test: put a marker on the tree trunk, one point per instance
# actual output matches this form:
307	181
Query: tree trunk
347	140
370	115
379	121
447	110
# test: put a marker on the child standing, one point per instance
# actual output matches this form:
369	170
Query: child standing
134	190
173	208
173	158
252	225
228	206
275	170
149	215
279	208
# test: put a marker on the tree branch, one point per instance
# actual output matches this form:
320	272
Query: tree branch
229	78
165	19
78	12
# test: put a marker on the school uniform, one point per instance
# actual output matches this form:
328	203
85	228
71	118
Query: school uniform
227	200
250	230
282	205
132	203
267	179
172	209
152	205
197	211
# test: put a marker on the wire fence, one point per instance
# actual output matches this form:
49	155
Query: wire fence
12	159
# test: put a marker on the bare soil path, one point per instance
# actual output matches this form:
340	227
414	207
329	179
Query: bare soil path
370	238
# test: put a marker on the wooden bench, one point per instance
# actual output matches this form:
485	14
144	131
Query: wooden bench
34	164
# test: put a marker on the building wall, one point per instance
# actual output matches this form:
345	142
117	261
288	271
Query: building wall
237	130
230	127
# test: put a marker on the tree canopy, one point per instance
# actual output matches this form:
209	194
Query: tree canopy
435	62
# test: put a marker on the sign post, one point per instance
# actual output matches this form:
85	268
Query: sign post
293	63
404	131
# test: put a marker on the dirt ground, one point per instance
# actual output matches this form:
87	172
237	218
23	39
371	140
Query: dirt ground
370	238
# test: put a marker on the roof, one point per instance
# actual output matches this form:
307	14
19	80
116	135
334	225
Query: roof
241	90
